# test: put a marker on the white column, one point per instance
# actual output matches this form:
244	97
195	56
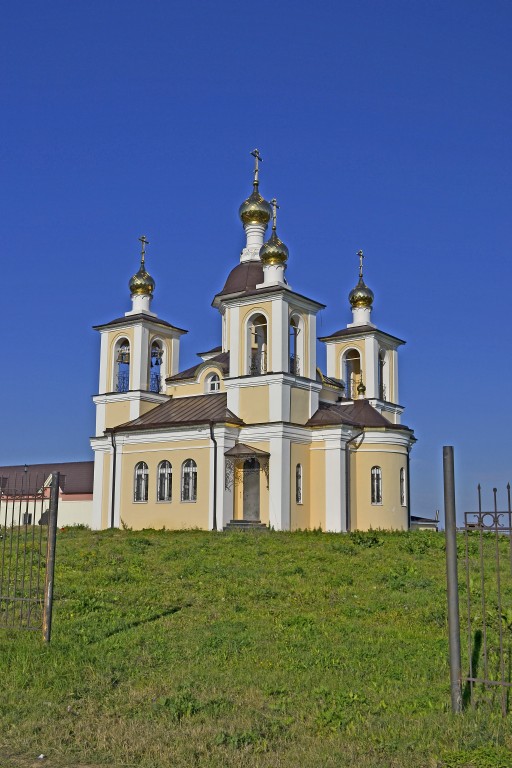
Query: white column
311	345
255	234
141	303
361	316
224	495
235	333
279	484
279	396
104	372
279	340
97	494
371	367
117	499
335	485
273	274
175	356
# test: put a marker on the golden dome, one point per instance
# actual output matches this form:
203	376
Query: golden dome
274	251
255	210
361	295
142	283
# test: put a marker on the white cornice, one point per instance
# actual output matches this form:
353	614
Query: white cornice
266	379
272	295
131	395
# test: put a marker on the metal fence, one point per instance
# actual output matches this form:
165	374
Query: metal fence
487	606
28	527
488	571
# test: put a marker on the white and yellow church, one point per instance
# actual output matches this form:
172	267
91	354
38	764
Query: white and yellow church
255	434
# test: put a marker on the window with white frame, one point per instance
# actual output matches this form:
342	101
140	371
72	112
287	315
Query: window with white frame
376	485
298	484
140	489
189	480
213	383
164	481
403	488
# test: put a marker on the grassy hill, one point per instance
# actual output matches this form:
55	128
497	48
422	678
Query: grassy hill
275	650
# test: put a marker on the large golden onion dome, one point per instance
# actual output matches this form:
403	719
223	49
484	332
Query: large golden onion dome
274	251
255	210
142	284
361	295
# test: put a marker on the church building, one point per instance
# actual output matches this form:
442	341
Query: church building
254	434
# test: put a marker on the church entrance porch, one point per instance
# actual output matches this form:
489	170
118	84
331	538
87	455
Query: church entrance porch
245	468
251	490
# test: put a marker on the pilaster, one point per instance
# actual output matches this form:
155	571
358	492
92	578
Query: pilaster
279	483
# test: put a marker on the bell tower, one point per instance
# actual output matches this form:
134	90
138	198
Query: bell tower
138	352
364	357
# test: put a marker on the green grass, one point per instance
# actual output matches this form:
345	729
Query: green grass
272	650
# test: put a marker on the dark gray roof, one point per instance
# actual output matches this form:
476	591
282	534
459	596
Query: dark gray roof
358	414
181	411
415	519
221	360
75	476
132	319
359	330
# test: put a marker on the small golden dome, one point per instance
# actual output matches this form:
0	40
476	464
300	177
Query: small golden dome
255	210
142	283
274	251
361	295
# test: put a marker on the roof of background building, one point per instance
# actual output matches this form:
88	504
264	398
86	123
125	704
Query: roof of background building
201	409
222	361
75	476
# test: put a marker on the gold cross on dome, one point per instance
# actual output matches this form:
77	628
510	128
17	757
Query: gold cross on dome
361	257
274	212
144	241
257	159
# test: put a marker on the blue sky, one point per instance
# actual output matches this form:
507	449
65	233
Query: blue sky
383	126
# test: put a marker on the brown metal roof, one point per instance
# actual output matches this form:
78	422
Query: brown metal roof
358	414
244	277
75	476
359	330
210	351
132	319
241	450
221	360
181	411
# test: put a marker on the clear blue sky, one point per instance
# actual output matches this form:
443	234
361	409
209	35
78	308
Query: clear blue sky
383	125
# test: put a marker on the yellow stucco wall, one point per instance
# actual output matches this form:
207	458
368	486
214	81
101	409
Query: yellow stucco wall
390	514
254	404
117	413
300	513
175	514
299	406
316	486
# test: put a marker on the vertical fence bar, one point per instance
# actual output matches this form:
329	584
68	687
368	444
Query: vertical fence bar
451	578
468	608
500	610
50	557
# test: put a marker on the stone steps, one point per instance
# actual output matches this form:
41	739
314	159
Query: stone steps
245	525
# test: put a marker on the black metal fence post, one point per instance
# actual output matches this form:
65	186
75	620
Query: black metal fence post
50	558
451	578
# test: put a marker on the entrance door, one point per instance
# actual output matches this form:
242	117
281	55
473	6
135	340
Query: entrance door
251	489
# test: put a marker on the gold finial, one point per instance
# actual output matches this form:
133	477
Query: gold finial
257	159
143	241
275	206
361	257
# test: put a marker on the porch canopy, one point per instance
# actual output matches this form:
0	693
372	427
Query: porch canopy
236	458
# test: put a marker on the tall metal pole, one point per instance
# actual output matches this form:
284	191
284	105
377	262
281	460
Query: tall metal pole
451	578
50	557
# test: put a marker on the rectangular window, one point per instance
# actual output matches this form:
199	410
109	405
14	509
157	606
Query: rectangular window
376	485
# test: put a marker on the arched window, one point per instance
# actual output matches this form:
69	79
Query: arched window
376	485
164	482
122	366
213	383
155	378
257	345
403	488
140	489
189	480
298	483
352	373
